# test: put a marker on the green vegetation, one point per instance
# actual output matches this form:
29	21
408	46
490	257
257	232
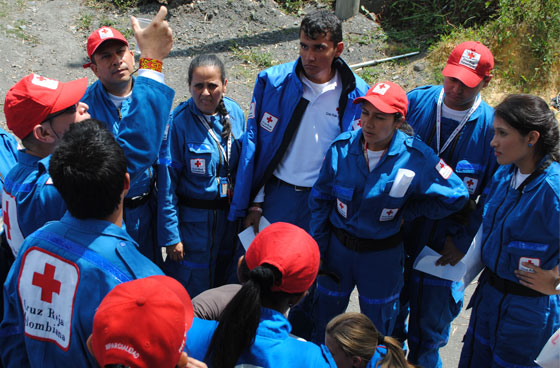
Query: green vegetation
84	22
254	57
523	36
19	30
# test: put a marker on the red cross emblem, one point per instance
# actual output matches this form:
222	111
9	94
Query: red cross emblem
104	30
197	163
47	283
382	86
41	78
341	205
390	212
471	55
470	182
269	119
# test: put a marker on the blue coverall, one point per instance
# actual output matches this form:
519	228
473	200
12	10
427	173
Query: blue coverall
435	302
193	210
273	345
506	328
138	127
60	276
278	92
349	197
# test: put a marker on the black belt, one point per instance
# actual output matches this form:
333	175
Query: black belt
297	188
137	201
213	204
508	286
366	245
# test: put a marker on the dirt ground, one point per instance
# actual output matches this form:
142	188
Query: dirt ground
49	37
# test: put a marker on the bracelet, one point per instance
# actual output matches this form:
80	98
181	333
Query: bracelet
255	208
153	64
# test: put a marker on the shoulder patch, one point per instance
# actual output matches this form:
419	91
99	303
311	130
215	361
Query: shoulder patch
47	287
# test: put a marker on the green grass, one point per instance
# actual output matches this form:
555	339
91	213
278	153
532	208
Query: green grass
19	30
84	22
252	56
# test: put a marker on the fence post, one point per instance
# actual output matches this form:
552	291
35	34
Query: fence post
346	8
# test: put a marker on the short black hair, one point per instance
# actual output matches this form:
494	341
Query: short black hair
88	168
322	22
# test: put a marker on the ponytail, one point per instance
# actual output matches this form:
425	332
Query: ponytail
238	324
226	124
395	356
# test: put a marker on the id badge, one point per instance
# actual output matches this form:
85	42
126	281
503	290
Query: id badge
224	187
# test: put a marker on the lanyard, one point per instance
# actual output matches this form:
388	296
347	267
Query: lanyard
459	127
223	153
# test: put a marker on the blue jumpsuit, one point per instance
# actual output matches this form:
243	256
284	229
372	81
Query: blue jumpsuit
349	197
193	210
273	346
435	302
60	276
29	199
138	127
278	92
8	159
507	329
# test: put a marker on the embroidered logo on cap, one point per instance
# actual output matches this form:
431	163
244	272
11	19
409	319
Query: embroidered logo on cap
198	166
380	88
342	208
444	169
470	59
105	33
268	122
44	82
470	183
388	214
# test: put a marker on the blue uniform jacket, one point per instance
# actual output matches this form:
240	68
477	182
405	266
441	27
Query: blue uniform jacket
138	126
273	346
521	226
350	197
29	199
472	160
192	164
8	153
277	96
60	276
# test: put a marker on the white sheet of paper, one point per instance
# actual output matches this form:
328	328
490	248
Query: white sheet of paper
549	357
402	182
247	235
426	262
473	259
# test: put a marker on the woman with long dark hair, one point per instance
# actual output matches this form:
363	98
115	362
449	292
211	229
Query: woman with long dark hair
281	264
512	320
204	145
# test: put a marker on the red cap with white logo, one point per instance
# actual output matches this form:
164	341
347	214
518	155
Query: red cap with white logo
142	323
387	97
31	100
97	37
469	62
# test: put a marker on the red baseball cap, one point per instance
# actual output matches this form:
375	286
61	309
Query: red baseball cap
97	37
142	323
291	250
469	62
387	97
31	100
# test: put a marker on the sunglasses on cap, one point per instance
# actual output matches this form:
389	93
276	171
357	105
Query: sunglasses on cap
69	110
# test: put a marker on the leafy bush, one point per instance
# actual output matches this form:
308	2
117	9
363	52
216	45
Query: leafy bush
523	36
422	22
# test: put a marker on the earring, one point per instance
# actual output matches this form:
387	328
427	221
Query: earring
530	145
